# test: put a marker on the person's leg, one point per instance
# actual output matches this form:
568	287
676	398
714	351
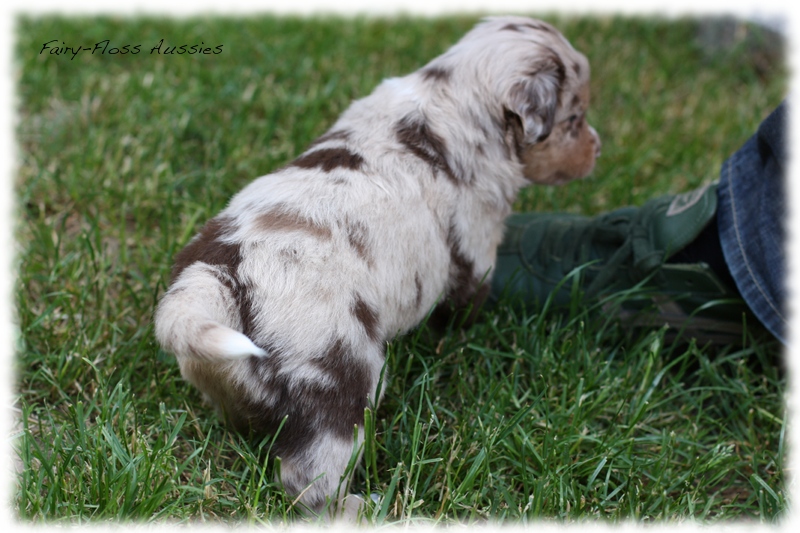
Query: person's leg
751	214
670	245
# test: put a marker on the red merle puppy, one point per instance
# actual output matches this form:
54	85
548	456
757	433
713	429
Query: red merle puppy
280	308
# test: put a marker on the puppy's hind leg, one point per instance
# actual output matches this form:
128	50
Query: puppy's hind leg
321	477
330	410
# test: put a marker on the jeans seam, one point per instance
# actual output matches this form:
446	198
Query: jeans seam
740	244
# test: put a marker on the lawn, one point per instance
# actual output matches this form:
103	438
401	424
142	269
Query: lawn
519	418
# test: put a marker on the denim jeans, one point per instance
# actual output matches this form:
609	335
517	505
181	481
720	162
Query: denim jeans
751	215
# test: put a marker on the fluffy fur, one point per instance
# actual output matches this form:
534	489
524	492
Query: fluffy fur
280	308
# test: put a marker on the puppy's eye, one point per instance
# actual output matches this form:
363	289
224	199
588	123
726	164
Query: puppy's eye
575	121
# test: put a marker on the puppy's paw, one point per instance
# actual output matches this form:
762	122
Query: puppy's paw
349	511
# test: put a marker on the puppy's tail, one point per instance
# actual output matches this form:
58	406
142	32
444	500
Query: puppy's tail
197	318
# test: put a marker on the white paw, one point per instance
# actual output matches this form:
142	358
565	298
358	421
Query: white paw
348	511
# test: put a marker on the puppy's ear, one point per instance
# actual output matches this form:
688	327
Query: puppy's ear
534	99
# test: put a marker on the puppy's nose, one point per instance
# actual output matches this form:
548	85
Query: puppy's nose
597	143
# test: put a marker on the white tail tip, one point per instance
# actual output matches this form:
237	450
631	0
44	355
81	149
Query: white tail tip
234	345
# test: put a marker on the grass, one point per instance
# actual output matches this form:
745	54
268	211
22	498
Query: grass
517	419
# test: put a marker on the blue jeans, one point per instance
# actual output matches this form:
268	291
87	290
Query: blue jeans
750	215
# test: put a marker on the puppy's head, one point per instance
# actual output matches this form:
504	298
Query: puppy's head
543	88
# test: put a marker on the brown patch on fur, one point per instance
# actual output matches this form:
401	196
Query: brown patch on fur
417	137
341	407
368	317
511	27
247	311
418	293
283	409
532	25
279	219
207	246
304	407
462	277
357	238
256	418
465	292
329	158
241	294
435	74
540	26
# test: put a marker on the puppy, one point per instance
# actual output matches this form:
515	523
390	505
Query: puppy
280	308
